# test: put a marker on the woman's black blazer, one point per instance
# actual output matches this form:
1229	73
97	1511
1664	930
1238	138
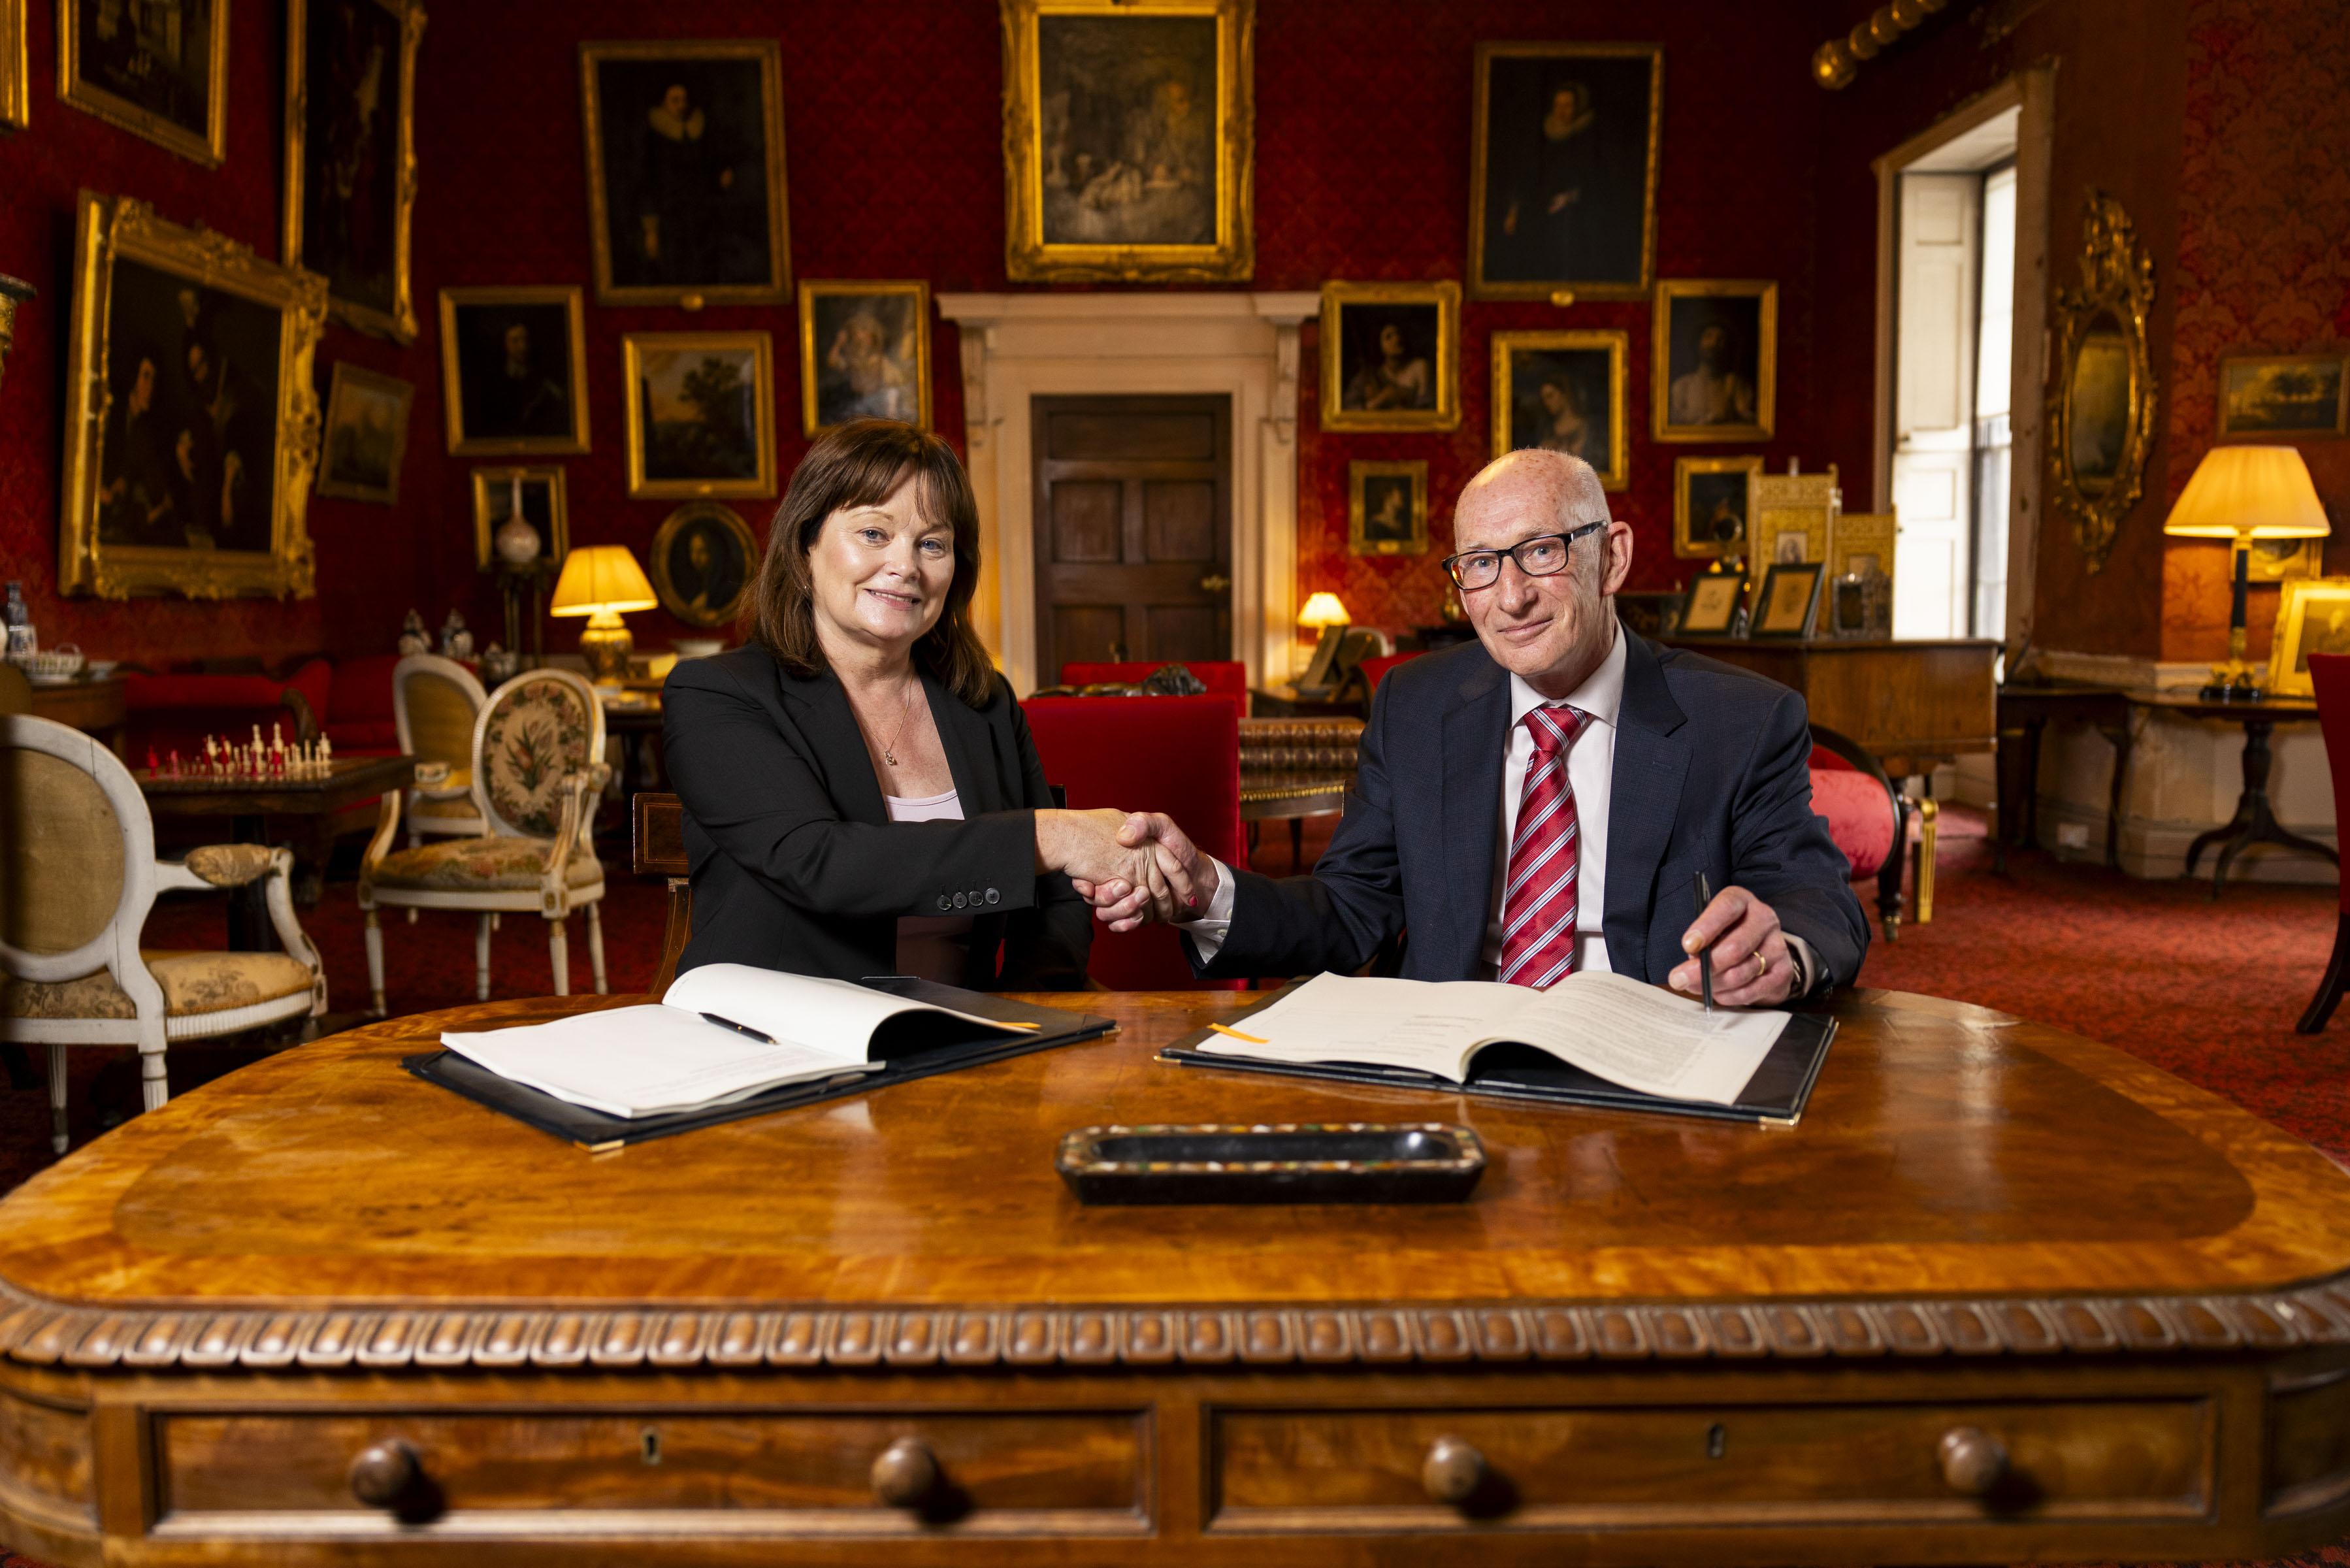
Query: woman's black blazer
796	865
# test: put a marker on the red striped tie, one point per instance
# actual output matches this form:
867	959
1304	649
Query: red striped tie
1538	901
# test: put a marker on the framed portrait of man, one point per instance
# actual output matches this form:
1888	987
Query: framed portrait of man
704	561
1713	500
1128	140
1563	391
1717	360
685	171
1387	508
1391	355
192	473
351	155
702	413
513	370
865	353
365	435
16	67
2313	616
158	69
2285	395
545	507
1563	170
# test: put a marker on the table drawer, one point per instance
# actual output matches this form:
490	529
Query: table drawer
1314	1470
425	1467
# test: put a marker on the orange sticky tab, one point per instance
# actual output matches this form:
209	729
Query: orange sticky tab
1238	1036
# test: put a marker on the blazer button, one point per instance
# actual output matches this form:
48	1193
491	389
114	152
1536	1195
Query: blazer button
961	900
994	897
945	902
975	899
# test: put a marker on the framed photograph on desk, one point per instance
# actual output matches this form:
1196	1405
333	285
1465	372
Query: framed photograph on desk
1790	599
2313	616
1711	607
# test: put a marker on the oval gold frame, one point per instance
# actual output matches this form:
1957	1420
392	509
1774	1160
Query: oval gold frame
665	534
2116	280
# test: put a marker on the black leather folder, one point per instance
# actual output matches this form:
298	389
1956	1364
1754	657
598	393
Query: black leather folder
1775	1096
948	1045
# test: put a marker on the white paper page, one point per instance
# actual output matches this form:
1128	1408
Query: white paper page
1647	1039
641	1061
835	1016
1426	1025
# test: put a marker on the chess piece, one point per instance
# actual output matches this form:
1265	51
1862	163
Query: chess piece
325	756
456	642
413	639
151	765
175	763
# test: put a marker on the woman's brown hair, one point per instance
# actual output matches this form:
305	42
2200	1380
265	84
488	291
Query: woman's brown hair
861	463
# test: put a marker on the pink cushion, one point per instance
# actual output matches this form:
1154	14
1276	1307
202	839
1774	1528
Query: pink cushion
1858	815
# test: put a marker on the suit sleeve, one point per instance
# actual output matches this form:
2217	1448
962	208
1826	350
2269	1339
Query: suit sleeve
1045	947
753	789
1338	917
1781	852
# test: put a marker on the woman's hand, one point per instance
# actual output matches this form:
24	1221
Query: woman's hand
1086	844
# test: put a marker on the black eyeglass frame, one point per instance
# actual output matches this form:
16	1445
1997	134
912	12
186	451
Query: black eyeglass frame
1451	564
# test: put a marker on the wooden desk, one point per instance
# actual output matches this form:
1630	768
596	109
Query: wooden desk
95	707
2024	712
1672	1341
1912	704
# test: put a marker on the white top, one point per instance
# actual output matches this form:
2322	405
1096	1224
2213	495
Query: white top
932	947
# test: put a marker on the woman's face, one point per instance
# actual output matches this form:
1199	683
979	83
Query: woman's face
880	574
1391	341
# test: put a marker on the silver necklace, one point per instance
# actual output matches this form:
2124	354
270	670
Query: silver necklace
889	752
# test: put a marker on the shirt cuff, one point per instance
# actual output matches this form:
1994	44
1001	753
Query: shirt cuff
1808	959
1208	932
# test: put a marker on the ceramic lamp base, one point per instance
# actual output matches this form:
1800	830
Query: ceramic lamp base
605	650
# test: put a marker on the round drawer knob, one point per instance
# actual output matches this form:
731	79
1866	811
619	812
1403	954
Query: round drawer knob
1451	1470
906	1473
1973	1460
382	1475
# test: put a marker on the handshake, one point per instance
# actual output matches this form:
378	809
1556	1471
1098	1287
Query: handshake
1134	869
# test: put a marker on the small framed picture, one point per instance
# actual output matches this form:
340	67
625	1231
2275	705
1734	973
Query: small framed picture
1712	499
1711	610
158	69
365	436
2280	560
1717	360
1390	355
513	370
704	561
543	507
2313	616
1387	508
2286	395
865	353
1789	600
1563	391
702	413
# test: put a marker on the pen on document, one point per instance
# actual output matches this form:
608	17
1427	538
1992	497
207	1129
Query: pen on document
739	1028
1705	953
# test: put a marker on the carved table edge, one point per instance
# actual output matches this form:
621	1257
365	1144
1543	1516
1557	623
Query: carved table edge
368	1338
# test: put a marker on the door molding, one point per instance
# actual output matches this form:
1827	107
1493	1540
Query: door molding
1017	347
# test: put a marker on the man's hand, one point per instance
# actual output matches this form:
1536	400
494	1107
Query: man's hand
1126	906
1750	966
1101	847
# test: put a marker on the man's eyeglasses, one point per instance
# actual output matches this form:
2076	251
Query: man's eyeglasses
1543	555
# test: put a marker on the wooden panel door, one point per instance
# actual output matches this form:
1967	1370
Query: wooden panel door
1134	530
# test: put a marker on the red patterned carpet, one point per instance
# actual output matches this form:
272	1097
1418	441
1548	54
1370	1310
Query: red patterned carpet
2207	990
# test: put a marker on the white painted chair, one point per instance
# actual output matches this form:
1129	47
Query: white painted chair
537	773
435	702
78	875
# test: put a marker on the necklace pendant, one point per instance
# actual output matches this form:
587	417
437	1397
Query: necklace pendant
889	756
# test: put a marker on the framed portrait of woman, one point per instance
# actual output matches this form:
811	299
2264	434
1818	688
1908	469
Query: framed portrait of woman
1391	355
351	155
865	353
704	561
158	69
1387	508
1563	391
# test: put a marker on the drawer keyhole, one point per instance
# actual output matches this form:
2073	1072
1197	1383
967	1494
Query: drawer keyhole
652	1446
1716	1440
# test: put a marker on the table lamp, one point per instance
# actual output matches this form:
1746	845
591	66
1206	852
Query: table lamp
603	582
1325	614
2243	494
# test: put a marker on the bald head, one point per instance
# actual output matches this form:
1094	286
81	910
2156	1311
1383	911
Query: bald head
1552	630
1534	482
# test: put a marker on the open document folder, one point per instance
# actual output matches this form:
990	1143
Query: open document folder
1592	1039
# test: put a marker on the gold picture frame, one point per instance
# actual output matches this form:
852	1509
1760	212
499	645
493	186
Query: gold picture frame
1700	500
763	54
2288	650
2103	388
661	463
1520	406
1062	206
1427	400
342	459
732	565
1485	235
15	66
262	323
394	317
1800	507
1692	406
493	484
469	318
1857	539
901	388
1373	525
2283	396
78	87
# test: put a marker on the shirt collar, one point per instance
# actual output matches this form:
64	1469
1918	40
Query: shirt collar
1599	698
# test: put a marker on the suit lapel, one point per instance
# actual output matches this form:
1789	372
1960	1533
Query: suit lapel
1475	733
1643	801
971	752
821	705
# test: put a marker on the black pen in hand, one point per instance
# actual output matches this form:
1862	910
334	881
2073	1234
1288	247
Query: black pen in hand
1705	953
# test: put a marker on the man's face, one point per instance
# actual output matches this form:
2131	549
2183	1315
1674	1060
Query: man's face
673	100
697	552
1713	347
518	344
200	366
1565	104
1551	630
142	390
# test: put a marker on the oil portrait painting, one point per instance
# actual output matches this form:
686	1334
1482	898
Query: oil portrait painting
350	67
1564	169
1563	391
513	369
156	67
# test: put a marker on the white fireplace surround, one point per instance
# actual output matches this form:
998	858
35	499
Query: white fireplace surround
1019	347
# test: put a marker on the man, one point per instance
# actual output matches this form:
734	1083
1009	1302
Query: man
520	400
1710	392
1542	800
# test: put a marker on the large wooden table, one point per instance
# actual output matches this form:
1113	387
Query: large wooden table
2004	1294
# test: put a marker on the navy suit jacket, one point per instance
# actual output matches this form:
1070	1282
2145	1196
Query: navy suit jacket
1711	774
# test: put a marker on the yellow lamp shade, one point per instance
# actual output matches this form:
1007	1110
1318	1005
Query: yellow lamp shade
1324	609
600	578
2255	491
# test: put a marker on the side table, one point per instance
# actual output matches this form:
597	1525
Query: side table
2255	820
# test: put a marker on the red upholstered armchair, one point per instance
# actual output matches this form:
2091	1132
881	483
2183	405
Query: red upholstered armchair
1180	756
1375	668
1866	816
175	712
2329	678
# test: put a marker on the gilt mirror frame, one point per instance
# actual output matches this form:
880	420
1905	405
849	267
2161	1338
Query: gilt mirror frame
2116	281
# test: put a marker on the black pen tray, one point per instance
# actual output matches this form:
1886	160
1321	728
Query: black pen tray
1339	1162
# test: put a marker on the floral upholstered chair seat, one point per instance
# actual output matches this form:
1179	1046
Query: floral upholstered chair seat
459	865
194	983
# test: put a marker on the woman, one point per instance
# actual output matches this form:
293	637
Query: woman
1395	383
861	794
